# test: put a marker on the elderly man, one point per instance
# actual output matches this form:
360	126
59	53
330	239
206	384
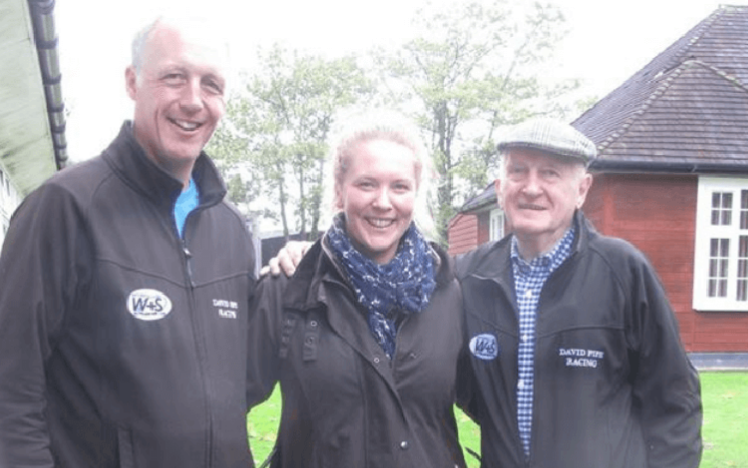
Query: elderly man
125	286
575	359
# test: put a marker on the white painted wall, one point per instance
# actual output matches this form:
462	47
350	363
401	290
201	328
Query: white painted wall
9	201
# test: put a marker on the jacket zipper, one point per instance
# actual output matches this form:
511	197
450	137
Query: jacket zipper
197	335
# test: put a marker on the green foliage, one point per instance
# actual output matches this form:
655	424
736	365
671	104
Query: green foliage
277	127
473	69
470	68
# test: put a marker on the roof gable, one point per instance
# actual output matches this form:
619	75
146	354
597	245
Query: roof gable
685	110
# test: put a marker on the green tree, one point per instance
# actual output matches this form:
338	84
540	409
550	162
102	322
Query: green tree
279	125
473	68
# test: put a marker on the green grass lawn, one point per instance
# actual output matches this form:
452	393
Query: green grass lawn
725	429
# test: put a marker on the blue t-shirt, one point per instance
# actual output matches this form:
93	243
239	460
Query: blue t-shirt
187	201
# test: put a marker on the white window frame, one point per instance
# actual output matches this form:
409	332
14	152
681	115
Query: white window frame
496	225
708	263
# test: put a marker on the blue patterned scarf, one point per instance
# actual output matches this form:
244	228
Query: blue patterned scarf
402	286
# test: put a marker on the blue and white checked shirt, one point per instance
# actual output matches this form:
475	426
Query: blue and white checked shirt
528	282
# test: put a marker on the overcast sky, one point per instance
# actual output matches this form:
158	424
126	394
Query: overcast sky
607	43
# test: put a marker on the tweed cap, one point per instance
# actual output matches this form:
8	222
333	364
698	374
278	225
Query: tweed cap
551	136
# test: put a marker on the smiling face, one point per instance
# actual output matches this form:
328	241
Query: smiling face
179	98
377	193
539	194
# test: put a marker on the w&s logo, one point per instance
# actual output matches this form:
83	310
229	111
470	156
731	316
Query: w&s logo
484	346
148	304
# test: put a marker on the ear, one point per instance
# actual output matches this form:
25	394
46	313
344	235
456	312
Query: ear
497	190
131	82
337	201
584	187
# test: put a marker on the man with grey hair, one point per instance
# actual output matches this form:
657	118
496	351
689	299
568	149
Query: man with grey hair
125	287
574	360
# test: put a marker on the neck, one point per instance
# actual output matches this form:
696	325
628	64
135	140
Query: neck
531	249
532	246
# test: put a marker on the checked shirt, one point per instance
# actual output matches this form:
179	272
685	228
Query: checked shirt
529	278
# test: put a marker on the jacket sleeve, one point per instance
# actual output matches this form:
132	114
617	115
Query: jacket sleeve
265	327
40	273
665	384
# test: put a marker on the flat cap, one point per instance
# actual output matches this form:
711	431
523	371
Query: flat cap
551	136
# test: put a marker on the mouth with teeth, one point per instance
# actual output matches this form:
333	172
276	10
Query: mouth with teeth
380	223
185	125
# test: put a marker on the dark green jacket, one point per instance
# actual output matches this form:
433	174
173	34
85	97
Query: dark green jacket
344	403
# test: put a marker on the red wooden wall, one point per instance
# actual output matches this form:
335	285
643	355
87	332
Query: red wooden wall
462	233
657	213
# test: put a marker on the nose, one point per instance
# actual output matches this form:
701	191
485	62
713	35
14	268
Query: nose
532	184
192	99
382	200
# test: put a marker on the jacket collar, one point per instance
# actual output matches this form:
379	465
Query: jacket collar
493	260
128	160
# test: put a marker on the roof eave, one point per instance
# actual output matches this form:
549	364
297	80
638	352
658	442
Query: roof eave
45	37
668	167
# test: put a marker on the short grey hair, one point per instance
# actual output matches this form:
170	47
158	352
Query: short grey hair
199	29
139	42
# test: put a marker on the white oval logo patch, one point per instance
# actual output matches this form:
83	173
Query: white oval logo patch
484	346
148	304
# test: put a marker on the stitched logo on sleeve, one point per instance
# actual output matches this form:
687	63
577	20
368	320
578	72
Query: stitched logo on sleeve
484	346
148	304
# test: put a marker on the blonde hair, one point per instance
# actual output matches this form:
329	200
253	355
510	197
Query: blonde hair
390	126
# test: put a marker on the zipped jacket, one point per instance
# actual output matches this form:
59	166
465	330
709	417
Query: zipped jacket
122	345
345	404
614	387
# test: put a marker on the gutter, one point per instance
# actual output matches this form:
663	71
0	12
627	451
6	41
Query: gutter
668	167
45	37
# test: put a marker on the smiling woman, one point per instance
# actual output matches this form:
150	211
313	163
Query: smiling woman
365	336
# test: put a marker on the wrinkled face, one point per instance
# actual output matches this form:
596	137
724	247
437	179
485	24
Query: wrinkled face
178	98
539	195
377	195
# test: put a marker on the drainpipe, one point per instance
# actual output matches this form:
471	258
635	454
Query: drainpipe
45	37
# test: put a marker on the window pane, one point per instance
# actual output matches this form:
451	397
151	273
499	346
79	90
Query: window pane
719	266
721	208
741	293
742	279
716	202
724	249
726	218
